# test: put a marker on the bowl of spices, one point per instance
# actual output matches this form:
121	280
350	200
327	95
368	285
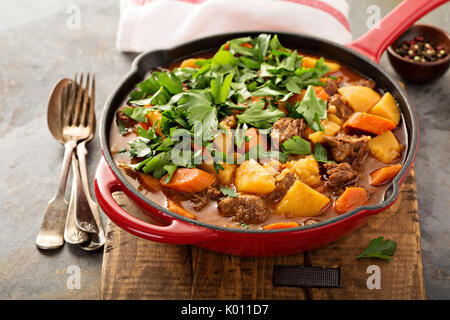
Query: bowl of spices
421	54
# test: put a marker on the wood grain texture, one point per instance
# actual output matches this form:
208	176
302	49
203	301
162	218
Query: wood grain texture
134	268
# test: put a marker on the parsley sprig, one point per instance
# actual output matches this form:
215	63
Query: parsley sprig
250	76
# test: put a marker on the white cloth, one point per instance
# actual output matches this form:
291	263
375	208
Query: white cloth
160	24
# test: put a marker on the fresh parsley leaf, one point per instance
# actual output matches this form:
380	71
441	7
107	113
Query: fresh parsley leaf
244	225
194	98
262	45
170	168
379	248
220	88
224	57
139	148
136	113
296	145
250	63
156	164
239	134
312	108
149	86
320	153
267	91
275	43
228	192
207	115
259	117
169	81
290	62
137	95
150	134
160	97
235	46
122	129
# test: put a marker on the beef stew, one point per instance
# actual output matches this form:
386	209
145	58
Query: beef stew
275	138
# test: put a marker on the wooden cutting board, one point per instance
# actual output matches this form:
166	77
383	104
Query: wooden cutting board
134	268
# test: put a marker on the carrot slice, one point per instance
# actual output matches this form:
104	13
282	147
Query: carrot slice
149	183
254	139
369	123
352	198
189	180
384	175
319	91
247	45
281	225
282	107
176	208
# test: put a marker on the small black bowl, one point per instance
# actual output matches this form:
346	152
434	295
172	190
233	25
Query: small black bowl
420	72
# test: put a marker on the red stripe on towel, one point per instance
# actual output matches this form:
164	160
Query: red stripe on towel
339	16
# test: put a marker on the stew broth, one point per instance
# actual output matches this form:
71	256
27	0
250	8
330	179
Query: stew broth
210	213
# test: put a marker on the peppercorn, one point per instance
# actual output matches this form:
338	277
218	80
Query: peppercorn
419	50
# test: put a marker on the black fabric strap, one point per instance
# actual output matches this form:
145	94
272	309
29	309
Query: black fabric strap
306	277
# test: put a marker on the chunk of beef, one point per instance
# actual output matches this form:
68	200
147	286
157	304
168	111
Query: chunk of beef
244	208
198	199
343	110
339	175
283	182
331	88
364	82
229	121
124	119
349	149
286	128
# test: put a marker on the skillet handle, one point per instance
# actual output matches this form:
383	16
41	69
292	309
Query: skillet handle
176	232
373	43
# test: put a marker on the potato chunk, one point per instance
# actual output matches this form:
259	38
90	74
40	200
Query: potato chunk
360	98
316	137
331	129
387	108
306	169
251	177
301	201
226	175
385	147
335	119
310	62
190	63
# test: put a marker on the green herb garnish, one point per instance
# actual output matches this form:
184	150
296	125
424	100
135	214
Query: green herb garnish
229	192
320	153
296	145
378	248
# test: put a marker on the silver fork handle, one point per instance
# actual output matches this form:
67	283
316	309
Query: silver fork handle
83	214
51	234
81	153
72	234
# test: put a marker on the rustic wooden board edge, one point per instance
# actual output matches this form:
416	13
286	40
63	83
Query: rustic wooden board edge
192	273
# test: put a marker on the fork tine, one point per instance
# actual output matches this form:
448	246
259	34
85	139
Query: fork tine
84	109
71	101
91	119
64	101
78	102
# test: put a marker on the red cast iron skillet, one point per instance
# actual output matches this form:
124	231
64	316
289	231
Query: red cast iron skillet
359	56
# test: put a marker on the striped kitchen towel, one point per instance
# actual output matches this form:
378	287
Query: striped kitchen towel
160	24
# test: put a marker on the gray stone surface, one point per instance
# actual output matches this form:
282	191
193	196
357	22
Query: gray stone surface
37	49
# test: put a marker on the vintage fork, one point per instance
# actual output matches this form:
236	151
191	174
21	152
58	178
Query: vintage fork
84	218
75	129
97	238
